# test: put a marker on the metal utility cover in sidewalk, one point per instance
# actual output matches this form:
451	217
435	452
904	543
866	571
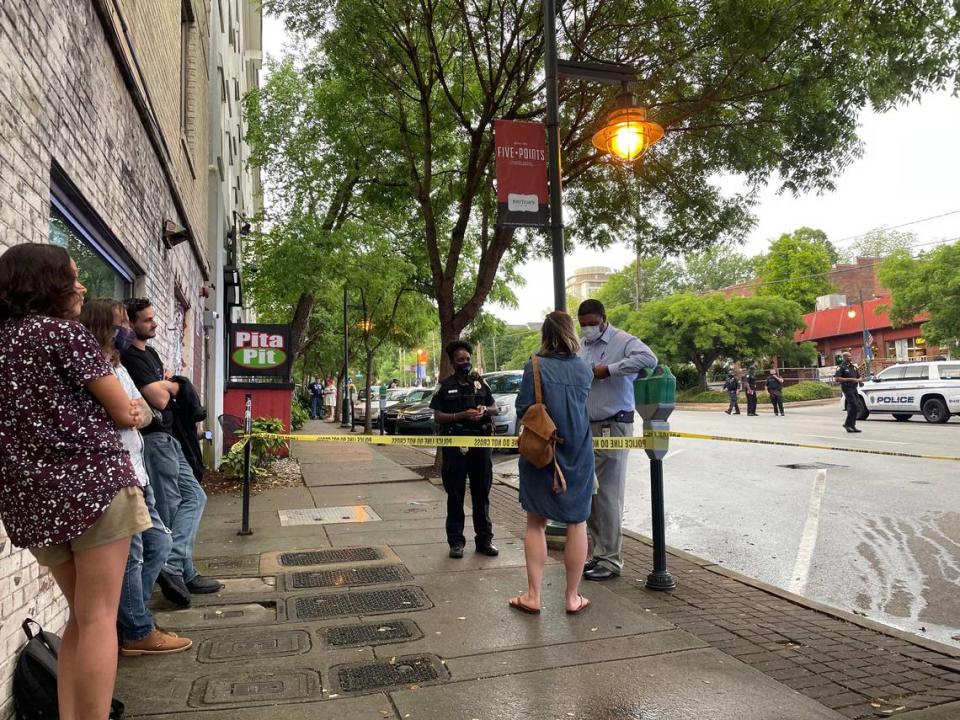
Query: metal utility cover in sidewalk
327	559
254	645
365	634
359	602
347	577
328	515
255	688
229	566
396	672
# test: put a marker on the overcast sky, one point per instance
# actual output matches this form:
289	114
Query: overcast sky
910	170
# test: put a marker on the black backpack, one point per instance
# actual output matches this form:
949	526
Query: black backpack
35	677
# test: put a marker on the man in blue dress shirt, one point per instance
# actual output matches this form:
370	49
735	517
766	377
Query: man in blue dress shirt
616	357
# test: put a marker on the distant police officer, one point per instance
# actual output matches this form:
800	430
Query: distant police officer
848	375
463	405
750	390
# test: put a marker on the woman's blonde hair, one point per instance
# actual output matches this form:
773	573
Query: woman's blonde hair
558	336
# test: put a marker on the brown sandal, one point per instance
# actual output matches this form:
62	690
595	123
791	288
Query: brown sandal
584	604
517	604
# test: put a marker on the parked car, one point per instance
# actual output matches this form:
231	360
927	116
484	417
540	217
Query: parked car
505	386
414	396
417	418
930	388
394	396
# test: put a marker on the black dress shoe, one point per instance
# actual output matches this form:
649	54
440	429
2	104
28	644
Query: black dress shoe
456	552
203	585
600	573
590	564
488	550
853	429
174	589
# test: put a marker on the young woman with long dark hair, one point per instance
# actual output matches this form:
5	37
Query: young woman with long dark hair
68	491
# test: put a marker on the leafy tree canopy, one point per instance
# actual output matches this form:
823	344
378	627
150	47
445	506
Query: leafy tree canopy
796	267
879	242
928	284
700	329
388	115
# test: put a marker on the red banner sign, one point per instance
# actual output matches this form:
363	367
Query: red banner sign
521	174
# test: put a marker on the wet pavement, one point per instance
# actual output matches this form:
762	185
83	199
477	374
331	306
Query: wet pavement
359	613
878	536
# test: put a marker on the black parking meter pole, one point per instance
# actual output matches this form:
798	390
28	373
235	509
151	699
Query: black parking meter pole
659	579
655	395
247	429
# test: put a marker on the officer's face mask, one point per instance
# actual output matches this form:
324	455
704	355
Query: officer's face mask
464	368
122	337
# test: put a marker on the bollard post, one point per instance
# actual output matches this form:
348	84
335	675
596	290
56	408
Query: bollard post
247	429
655	395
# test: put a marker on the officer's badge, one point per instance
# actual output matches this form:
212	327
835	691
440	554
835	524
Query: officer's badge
476	384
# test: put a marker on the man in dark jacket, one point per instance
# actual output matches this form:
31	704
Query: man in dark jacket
775	388
187	412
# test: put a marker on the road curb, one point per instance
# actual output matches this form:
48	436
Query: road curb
723	406
844	615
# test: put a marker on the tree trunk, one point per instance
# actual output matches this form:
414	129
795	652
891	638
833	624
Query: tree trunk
299	324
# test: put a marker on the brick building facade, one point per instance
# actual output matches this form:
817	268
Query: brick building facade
105	148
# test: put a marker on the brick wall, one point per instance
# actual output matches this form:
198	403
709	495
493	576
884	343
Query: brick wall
64	100
851	278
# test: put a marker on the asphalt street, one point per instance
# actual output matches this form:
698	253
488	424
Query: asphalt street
870	534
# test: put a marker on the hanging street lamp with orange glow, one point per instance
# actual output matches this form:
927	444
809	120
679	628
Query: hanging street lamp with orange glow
627	134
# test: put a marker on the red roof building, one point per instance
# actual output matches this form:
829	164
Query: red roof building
840	329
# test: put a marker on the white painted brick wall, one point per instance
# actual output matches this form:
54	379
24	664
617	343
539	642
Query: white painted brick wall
63	100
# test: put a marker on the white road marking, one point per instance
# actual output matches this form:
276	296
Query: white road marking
808	540
672	453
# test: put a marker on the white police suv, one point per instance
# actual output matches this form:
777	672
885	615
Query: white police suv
930	388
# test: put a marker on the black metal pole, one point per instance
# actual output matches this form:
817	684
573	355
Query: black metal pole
553	153
345	397
863	328
659	579
247	429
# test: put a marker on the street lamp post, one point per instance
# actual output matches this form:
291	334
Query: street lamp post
553	153
345	397
626	133
867	352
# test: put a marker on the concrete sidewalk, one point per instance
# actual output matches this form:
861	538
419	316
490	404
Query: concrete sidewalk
358	613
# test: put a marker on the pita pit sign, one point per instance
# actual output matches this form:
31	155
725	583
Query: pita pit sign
261	350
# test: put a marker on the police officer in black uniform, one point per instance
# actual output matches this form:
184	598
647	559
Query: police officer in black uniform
750	389
463	405
848	375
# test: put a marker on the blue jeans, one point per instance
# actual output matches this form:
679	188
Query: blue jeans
315	407
148	553
180	499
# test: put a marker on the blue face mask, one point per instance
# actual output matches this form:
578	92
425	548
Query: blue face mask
464	368
123	337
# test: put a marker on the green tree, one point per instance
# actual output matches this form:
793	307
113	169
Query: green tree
928	284
796	267
657	277
880	243
399	100
715	268
701	329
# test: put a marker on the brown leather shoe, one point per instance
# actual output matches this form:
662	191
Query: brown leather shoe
156	643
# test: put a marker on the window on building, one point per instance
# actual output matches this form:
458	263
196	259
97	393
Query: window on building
105	268
186	33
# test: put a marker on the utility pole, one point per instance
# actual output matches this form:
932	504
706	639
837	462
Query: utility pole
867	352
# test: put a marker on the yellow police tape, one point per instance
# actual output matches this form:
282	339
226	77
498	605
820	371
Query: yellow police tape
658	440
